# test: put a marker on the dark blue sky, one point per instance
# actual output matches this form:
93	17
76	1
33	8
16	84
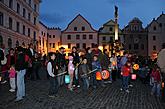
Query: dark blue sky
58	13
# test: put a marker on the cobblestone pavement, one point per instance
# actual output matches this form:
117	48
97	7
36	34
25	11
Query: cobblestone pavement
109	97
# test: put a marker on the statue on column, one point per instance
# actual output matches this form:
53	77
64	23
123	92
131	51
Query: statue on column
116	12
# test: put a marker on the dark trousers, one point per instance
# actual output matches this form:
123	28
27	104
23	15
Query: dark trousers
114	73
125	80
85	82
35	74
53	86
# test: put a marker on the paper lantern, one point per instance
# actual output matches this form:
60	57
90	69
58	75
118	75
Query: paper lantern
67	79
105	74
133	76
162	84
114	63
136	67
0	78
98	76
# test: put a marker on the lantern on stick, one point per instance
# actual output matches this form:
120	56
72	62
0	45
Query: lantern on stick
105	74
67	79
98	76
136	67
133	76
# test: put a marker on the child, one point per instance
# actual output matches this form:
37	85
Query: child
95	65
157	81
125	72
83	70
71	72
52	71
12	73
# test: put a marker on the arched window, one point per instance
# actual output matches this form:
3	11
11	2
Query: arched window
1	40
9	43
17	43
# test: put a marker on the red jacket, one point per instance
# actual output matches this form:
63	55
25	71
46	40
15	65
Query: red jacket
126	71
156	76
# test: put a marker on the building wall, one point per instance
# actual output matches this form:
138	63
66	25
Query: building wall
135	37
79	22
156	34
13	33
107	34
54	39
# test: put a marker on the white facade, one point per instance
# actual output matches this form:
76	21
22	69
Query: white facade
79	33
18	22
156	34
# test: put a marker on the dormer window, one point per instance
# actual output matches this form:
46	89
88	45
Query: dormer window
75	28
154	28
83	28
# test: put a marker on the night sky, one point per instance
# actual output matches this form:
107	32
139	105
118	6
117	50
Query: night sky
58	13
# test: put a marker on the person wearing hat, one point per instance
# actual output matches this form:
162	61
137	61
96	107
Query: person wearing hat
20	67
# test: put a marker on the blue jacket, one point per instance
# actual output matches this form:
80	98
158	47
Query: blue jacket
96	65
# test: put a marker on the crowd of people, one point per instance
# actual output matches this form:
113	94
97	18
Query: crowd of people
82	70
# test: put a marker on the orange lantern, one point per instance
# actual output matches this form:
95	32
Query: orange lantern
0	78
136	67
105	74
133	76
162	84
98	76
114	63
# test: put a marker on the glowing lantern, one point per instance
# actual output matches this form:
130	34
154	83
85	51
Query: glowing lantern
135	66
0	78
114	63
67	79
98	76
105	74
133	76
162	84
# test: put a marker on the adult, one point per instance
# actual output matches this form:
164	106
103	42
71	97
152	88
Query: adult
161	64
21	71
105	60
11	58
61	63
76	61
30	53
96	51
89	57
1	58
113	65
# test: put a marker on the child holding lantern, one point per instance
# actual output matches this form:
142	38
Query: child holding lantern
125	72
71	72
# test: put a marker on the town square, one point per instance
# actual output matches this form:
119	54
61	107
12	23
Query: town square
82	54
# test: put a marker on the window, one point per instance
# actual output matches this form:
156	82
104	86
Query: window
24	12
29	32
69	37
29	16
18	8
17	43
69	45
160	24
154	38
130	47
34	20
142	46
78	45
18	26
11	4
154	28
84	36
110	29
93	45
104	38
35	7
111	39
50	36
75	28
53	36
1	18
34	35
154	47
53	45
77	36
9	42
23	30
83	28
30	2
136	46
84	45
90	36
10	23
50	45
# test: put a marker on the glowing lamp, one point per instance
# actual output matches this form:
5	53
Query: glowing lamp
162	84
136	67
105	74
0	78
67	79
114	63
98	76
133	76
